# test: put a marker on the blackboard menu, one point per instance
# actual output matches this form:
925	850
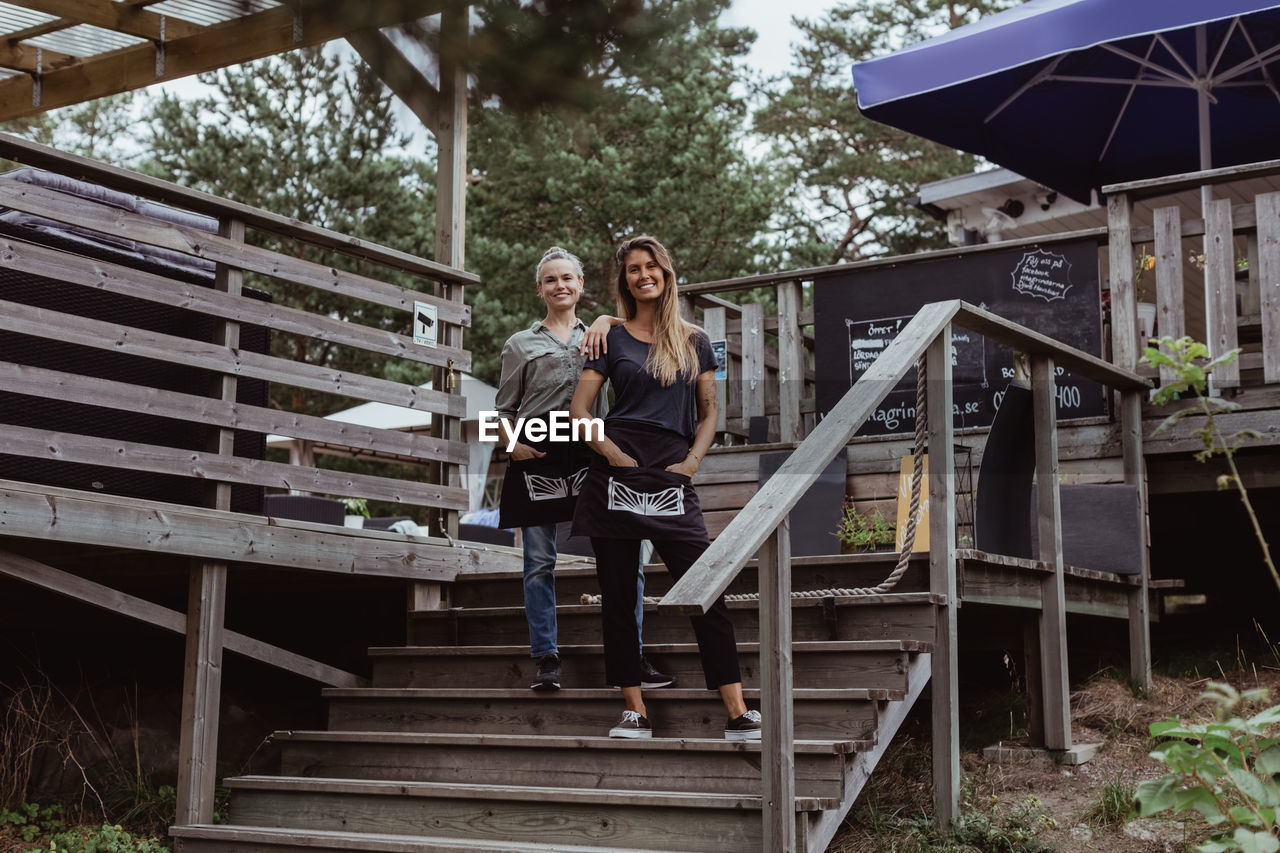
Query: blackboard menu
1053	290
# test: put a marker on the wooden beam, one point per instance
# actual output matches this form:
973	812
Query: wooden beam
24	57
51	514
1124	300
399	75
205	49
713	322
118	17
752	388
1053	620
97	595
1170	302
201	692
1135	475
778	736
945	691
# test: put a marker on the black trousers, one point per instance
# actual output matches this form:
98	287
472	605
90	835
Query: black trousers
616	570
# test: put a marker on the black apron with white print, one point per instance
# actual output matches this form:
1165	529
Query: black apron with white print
645	502
543	490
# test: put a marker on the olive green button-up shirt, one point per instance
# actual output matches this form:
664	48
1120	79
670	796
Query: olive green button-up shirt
540	373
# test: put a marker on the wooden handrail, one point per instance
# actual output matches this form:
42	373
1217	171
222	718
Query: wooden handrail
720	564
1192	180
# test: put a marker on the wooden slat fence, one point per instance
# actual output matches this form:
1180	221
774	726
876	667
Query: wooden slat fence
377	287
1236	246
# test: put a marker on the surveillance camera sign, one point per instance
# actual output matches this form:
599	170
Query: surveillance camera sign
425	324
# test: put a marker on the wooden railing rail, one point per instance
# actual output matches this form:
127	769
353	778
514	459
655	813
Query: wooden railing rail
761	527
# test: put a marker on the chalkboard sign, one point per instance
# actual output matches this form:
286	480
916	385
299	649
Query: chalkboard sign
1052	290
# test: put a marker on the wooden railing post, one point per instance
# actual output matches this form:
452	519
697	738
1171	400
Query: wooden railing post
1171	310
1053	612
778	736
1134	475
753	372
206	604
1124	300
790	362
1268	207
1220	290
942	581
715	323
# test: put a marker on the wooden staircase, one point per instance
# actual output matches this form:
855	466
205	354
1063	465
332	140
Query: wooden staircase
449	749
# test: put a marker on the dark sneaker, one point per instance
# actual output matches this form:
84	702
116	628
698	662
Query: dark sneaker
650	678
548	677
632	724
746	727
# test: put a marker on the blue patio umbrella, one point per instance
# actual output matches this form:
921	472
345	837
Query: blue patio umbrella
1077	94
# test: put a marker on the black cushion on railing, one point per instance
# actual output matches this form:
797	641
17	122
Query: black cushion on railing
304	508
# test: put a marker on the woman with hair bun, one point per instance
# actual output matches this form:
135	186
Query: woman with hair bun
639	487
540	369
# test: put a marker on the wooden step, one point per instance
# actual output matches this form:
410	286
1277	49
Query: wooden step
844	663
660	764
225	838
848	714
493	589
862	617
606	819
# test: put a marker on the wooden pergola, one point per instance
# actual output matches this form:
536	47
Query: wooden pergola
57	53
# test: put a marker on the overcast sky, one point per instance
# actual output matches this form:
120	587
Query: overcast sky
771	19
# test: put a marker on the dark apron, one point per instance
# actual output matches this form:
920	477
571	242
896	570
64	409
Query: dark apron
645	502
543	490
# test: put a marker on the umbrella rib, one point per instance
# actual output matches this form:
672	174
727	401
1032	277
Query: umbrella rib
1258	61
1133	87
1041	75
1222	48
1189	80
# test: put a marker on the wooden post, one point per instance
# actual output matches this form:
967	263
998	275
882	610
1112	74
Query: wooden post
1171	313
1220	290
778	736
1124	301
715	323
752	363
206	606
1135	475
790	361
1268	207
1053	613
688	310
942	581
451	218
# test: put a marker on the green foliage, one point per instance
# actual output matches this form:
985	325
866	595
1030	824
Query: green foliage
853	178
104	839
1191	366
865	532
1113	803
993	826
28	821
1227	770
662	152
356	506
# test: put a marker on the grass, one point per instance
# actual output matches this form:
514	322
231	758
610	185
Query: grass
1113	803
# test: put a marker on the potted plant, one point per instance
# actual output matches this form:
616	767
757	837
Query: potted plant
357	511
858	531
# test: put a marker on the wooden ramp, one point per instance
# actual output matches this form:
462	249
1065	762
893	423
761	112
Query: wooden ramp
449	749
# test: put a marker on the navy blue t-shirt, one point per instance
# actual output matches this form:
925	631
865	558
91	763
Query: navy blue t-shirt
637	396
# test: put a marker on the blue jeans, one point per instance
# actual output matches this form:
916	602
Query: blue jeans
540	589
